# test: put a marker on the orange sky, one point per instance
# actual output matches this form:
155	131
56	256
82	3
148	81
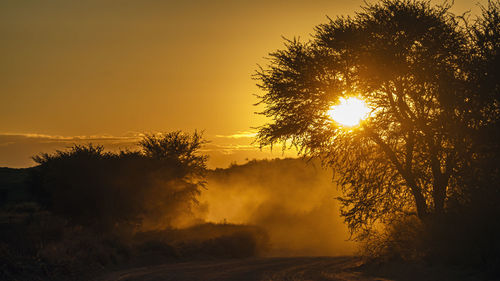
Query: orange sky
118	68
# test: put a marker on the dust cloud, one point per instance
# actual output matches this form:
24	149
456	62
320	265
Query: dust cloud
292	200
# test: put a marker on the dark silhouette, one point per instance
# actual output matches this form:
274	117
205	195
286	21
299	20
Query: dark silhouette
145	188
420	176
431	80
83	210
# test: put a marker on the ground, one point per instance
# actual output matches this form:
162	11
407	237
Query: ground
278	269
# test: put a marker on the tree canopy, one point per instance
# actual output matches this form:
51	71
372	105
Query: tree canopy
418	67
149	188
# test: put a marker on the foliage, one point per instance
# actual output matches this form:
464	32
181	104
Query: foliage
418	69
149	188
177	147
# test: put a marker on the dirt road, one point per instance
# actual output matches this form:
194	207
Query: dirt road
289	269
265	269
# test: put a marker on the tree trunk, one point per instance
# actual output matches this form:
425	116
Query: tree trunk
420	203
439	194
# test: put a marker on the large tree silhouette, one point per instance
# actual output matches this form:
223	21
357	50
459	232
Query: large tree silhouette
412	63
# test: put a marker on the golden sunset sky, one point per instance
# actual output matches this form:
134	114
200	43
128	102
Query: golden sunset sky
107	71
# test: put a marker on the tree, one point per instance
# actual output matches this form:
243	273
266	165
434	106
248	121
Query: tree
181	167
480	173
179	148
146	189
411	63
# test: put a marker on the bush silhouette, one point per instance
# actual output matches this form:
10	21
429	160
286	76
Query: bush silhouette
105	190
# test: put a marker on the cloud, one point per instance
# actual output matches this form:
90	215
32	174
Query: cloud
17	149
239	135
56	138
229	148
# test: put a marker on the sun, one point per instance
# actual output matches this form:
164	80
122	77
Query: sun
350	112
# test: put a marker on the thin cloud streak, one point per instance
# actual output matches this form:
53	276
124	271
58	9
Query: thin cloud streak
17	149
239	135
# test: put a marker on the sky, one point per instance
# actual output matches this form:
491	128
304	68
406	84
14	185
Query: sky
106	71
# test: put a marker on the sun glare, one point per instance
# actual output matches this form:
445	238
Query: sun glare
349	112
